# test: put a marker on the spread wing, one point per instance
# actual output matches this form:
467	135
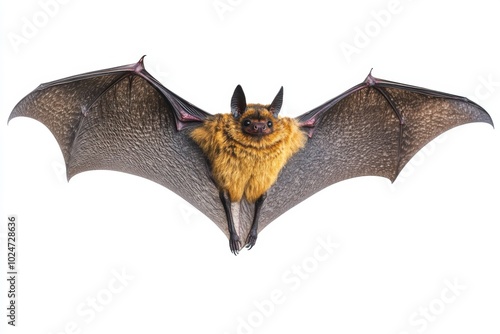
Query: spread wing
374	128
123	119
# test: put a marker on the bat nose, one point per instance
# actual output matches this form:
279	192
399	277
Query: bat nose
259	126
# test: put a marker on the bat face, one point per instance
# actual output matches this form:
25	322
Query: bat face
257	121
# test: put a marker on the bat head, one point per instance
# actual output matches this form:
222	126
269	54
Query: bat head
256	119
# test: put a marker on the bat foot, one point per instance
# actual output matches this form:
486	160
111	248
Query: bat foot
251	239
234	243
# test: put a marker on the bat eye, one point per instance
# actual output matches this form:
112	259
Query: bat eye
269	124
247	122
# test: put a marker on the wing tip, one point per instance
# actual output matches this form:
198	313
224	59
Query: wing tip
18	112
11	116
489	120
482	116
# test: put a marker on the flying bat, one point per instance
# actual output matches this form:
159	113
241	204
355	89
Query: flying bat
245	168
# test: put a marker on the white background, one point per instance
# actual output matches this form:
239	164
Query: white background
400	246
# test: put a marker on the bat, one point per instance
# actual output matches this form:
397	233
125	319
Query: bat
245	168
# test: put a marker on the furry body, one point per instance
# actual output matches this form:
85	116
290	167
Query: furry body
243	165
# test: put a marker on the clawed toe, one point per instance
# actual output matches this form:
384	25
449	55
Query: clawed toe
234	244
251	239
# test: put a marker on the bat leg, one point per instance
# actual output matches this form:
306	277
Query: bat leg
252	235
234	240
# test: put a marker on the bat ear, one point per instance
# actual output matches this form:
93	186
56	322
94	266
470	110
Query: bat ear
238	102
275	106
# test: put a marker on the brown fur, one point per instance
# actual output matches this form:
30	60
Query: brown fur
244	165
